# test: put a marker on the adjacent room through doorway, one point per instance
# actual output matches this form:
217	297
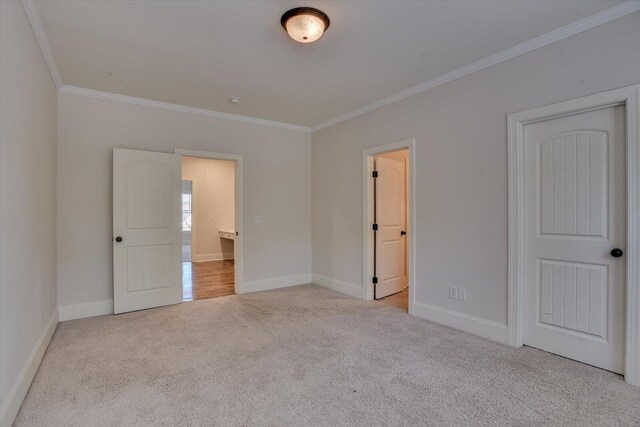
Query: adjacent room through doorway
391	221
186	202
208	228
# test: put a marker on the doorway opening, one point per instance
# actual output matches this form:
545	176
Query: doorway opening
388	221
208	228
390	233
187	198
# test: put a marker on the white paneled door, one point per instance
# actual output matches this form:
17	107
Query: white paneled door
146	230
575	228
390	216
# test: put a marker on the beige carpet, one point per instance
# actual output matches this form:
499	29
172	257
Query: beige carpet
306	356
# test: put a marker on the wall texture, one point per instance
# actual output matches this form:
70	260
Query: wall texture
276	186
461	165
28	120
213	206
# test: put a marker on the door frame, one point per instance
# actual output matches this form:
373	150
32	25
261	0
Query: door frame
239	216
368	155
629	97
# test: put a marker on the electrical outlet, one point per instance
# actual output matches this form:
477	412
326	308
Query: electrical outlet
453	292
53	295
257	219
462	294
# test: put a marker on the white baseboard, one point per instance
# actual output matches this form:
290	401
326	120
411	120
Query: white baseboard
338	286
89	309
11	405
474	325
213	257
275	283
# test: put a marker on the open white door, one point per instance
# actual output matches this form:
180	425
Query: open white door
146	230
390	217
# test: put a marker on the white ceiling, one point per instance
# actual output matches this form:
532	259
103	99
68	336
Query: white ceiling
200	53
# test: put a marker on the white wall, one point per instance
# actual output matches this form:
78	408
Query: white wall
28	105
276	187
213	202
461	165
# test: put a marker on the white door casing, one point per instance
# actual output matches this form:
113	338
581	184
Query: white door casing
147	217
574	216
390	216
368	196
629	97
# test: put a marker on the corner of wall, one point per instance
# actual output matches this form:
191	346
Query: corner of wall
338	286
12	403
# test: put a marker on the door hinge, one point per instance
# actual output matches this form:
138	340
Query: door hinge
374	174
375	227
374	280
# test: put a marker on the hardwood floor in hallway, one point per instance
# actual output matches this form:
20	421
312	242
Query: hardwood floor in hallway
400	300
210	279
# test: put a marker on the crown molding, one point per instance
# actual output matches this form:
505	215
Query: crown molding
38	31
607	15
33	16
72	90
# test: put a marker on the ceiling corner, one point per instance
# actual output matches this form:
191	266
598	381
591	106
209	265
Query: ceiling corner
38	30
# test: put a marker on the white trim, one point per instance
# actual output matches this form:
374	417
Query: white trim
274	283
630	97
11	405
602	17
33	16
367	215
556	35
87	309
89	93
41	37
238	246
474	325
338	285
220	256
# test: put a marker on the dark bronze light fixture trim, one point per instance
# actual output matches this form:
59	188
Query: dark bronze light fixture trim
305	24
304	11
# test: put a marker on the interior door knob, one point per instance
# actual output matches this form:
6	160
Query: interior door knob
403	233
616	252
119	239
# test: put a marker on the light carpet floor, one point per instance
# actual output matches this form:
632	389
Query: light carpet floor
306	356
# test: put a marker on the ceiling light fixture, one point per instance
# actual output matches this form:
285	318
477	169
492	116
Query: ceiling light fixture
305	24
234	100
